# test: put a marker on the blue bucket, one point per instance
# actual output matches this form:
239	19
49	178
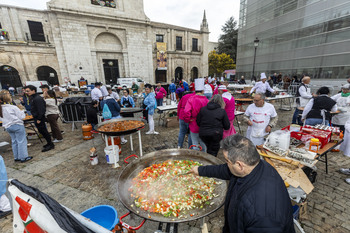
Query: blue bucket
104	215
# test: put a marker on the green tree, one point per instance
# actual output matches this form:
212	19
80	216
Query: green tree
218	63
228	40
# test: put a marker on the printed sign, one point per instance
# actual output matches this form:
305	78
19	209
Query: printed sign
161	56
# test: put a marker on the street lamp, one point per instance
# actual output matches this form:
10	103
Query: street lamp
256	44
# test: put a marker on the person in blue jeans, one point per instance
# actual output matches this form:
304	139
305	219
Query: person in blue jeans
12	120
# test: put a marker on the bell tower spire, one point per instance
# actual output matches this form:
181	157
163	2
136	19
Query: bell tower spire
204	25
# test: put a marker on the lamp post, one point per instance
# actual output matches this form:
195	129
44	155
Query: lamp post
256	44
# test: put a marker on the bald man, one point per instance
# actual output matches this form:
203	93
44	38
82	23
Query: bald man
303	97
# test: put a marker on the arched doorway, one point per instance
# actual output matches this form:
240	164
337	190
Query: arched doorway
9	76
160	76
46	73
178	74
194	73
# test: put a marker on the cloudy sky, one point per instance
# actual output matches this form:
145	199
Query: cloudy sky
178	12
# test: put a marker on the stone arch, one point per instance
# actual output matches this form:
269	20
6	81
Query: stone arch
9	75
179	73
194	73
106	41
47	73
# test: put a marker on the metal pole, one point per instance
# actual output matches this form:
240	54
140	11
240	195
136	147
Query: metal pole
254	62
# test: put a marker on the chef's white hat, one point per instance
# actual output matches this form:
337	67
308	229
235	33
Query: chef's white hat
199	84
263	76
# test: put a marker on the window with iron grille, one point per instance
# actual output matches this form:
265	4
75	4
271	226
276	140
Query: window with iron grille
159	38
36	31
194	44
178	43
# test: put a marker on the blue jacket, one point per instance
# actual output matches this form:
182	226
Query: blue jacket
186	86
131	100
150	102
172	87
257	203
3	177
112	105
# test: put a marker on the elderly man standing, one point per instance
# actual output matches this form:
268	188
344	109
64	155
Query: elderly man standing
303	96
192	108
261	117
262	86
257	200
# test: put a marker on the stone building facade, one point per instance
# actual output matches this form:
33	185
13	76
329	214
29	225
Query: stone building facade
97	40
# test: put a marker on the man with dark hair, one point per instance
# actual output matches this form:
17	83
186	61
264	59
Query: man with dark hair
96	93
38	109
257	200
45	88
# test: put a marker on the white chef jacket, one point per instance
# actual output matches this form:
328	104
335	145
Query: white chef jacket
114	95
208	89
96	94
104	91
12	115
343	104
305	95
260	116
261	88
345	146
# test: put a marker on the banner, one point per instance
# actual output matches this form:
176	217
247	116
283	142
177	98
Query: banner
161	56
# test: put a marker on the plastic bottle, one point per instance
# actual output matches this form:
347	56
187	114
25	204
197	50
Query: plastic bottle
314	145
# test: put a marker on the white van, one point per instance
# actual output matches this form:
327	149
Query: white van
128	82
37	84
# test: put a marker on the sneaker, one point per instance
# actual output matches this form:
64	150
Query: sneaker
56	140
17	160
26	159
123	141
154	132
149	132
345	171
49	147
347	180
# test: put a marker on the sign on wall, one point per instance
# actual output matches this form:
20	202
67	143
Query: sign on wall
161	56
111	3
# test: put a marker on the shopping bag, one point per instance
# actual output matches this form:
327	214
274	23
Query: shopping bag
106	113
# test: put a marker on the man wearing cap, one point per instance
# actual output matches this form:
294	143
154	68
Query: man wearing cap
262	86
261	117
343	104
229	108
96	93
192	108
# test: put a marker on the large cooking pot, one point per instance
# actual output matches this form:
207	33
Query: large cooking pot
131	171
120	133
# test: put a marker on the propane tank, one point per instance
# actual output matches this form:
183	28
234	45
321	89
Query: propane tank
87	135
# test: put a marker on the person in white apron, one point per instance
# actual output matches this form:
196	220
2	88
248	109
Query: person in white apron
261	117
345	148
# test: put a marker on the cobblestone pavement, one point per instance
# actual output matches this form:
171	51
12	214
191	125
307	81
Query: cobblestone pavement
66	175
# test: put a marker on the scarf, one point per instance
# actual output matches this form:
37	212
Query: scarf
345	94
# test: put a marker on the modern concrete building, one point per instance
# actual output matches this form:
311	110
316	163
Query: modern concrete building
98	40
296	37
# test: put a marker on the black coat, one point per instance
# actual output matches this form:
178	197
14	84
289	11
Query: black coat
37	107
212	120
257	203
91	115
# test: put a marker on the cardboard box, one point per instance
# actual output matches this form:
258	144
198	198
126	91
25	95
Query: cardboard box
172	122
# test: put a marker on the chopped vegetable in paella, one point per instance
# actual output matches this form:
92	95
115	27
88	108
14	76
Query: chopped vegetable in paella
166	188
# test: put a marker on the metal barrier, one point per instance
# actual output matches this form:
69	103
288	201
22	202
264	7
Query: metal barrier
74	110
292	89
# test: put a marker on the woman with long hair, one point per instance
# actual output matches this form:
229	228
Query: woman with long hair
212	121
149	104
12	120
52	115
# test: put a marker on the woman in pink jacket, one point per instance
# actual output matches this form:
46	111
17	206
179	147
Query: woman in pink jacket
229	108
160	94
192	108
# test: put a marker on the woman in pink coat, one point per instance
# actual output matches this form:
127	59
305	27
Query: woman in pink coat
229	108
192	108
160	94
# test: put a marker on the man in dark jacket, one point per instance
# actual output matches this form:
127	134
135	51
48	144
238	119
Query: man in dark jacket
38	109
257	200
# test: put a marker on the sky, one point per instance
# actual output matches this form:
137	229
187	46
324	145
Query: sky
177	12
